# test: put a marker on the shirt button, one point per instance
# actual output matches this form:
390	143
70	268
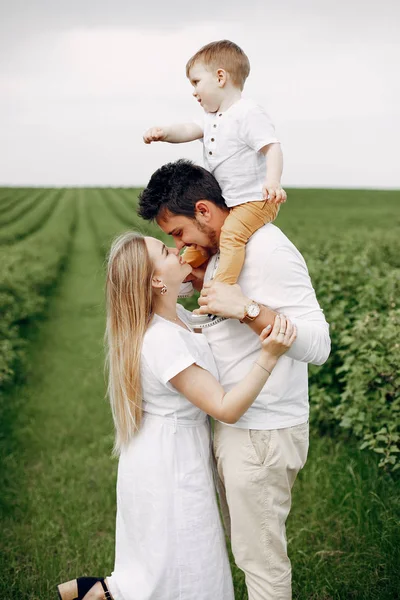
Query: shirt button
220	115
213	139
214	125
210	152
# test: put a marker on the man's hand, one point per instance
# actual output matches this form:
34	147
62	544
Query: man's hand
229	301
155	134
273	192
223	300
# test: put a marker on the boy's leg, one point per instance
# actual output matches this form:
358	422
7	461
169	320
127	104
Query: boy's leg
193	257
258	469
239	226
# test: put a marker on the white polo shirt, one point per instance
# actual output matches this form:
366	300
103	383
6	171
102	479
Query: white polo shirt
232	142
274	274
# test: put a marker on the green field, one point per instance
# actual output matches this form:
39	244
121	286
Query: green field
57	476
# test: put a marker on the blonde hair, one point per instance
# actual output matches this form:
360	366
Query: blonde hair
223	55
129	309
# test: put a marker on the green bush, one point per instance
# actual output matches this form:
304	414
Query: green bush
370	402
358	284
27	270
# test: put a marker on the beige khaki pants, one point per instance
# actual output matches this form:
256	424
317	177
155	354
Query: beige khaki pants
256	470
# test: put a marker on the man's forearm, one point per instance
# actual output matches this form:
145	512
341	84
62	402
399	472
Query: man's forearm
182	132
265	318
230	302
312	344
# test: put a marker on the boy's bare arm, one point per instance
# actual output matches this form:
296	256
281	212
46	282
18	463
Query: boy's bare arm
174	134
272	189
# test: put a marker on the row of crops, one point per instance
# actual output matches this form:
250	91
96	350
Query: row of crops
351	244
36	227
36	230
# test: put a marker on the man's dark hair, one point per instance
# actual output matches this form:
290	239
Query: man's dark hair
177	187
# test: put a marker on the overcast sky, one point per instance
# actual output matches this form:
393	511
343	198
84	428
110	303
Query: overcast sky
81	80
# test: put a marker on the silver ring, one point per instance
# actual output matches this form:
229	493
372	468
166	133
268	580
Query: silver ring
283	332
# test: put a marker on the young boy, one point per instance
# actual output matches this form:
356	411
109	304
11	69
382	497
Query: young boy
240	149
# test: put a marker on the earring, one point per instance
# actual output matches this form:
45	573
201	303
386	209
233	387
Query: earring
164	290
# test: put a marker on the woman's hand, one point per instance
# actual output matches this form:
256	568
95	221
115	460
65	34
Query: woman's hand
276	342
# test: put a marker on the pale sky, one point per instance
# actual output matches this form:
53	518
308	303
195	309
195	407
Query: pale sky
80	81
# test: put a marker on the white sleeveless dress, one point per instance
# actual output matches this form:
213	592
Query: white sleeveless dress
170	543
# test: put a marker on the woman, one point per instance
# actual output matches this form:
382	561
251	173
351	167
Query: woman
163	380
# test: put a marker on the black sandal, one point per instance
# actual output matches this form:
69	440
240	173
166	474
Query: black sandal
76	589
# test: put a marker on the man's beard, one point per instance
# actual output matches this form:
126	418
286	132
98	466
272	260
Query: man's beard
213	245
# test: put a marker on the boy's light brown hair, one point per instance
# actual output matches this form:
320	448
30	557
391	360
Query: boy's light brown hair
223	55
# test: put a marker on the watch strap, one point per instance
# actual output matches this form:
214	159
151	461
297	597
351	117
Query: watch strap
246	313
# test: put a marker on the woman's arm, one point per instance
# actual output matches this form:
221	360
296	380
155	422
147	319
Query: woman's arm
203	390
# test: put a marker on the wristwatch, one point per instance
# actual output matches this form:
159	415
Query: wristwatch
251	311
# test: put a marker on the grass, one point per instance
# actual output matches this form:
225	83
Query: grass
350	513
343	530
311	215
60	503
58	499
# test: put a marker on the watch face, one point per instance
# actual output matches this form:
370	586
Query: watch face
253	310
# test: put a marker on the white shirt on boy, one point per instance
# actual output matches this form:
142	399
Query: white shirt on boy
232	142
274	274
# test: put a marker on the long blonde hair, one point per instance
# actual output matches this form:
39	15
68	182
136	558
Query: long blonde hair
129	309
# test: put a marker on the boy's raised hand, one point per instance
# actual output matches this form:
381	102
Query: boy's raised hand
273	192
154	134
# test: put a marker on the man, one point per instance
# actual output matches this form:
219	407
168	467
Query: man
259	457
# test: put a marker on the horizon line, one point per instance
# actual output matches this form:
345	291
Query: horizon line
11	186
